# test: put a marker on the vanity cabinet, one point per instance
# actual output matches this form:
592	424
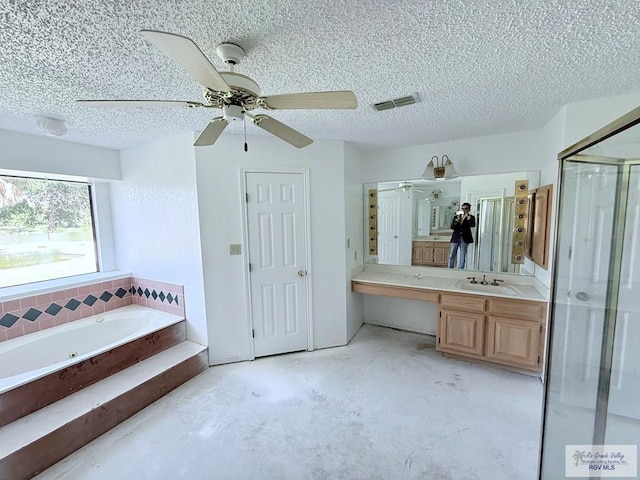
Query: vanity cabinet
495	329
432	254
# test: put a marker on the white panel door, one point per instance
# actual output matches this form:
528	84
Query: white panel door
277	254
388	228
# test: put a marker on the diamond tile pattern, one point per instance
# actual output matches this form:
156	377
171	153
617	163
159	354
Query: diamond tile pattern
53	309
106	296
72	304
8	320
146	293
32	314
90	300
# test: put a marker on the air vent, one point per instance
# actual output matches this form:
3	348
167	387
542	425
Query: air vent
396	102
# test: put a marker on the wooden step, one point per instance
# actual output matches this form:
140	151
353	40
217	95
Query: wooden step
44	391
35	442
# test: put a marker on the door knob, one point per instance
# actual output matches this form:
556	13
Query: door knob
302	273
582	296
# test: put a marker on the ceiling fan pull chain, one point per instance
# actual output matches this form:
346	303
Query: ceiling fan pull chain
244	122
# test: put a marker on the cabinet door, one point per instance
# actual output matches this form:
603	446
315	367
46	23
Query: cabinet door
541	226
427	254
513	342
416	254
441	254
461	332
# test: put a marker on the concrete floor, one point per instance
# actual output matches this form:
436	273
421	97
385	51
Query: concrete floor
386	406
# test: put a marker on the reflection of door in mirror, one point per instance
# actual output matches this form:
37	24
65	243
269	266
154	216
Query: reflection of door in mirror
388	229
424	218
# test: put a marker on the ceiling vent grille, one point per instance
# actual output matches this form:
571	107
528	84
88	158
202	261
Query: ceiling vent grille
396	102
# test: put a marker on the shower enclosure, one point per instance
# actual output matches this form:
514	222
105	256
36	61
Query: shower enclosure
592	383
494	235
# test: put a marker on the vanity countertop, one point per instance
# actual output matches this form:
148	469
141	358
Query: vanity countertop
453	281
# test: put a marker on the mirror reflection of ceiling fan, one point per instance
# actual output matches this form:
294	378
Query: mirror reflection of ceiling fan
405	187
236	95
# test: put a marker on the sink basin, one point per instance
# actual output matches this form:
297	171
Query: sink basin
477	287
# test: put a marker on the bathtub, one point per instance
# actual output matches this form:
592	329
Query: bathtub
28	358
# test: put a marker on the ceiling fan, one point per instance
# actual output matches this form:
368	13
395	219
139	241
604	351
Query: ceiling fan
236	95
404	187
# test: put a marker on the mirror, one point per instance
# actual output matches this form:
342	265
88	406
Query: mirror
409	222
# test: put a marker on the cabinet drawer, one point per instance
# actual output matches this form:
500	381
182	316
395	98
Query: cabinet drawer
517	309
471	303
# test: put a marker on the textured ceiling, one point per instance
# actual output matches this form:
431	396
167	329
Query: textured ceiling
479	66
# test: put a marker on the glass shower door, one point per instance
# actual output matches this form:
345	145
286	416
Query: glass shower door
583	261
623	413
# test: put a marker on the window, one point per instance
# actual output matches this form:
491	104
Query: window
46	230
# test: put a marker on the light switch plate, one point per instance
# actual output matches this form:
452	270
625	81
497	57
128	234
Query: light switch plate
235	249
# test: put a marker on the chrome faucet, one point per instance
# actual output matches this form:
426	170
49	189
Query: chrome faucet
484	280
473	279
418	276
495	282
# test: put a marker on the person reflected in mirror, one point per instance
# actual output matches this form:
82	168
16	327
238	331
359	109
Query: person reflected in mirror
462	236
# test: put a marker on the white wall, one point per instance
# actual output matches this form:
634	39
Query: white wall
219	197
354	164
31	153
510	152
584	118
156	223
571	124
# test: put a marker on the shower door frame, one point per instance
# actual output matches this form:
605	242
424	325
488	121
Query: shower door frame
620	210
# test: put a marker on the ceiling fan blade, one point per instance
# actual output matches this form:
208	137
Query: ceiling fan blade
211	132
313	100
189	56
139	103
282	131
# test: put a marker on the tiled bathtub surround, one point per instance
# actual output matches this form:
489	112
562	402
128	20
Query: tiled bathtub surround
30	314
166	297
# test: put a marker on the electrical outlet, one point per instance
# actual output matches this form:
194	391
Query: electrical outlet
235	249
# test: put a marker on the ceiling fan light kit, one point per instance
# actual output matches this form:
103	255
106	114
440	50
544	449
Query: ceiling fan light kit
232	113
233	93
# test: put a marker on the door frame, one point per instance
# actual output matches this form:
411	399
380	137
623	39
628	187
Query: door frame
242	178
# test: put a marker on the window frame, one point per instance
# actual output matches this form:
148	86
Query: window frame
100	217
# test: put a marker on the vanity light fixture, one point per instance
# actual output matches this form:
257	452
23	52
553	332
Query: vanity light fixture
439	168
